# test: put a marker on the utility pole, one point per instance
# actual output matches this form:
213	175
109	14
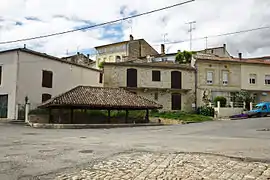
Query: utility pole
164	37
206	43
191	28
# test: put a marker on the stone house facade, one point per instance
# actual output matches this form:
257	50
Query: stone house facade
123	51
216	76
169	84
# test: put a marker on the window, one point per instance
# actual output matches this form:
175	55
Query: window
46	97
264	107
225	77
252	78
131	77
267	79
176	101
209	78
155	75
156	96
47	79
118	58
0	75
164	59
100	77
176	80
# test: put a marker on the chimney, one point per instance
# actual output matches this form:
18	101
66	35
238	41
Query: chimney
131	38
78	53
224	48
240	56
178	51
24	46
88	56
162	49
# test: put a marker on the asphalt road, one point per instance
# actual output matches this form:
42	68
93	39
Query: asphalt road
26	152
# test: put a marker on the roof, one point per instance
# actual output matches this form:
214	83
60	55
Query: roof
233	60
76	55
100	98
121	42
162	65
48	56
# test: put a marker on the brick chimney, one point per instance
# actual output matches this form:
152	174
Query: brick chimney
162	49
240	56
131	38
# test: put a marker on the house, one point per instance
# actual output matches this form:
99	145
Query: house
82	59
218	51
255	74
169	84
221	76
122	51
216	76
27	75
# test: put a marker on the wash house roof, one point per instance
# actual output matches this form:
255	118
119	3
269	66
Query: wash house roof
87	97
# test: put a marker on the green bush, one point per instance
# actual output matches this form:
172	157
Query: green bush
222	100
39	111
206	111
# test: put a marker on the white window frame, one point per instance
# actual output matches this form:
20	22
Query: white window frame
252	76
210	80
225	80
267	79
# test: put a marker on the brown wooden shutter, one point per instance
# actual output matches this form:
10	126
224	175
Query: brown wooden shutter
176	80
47	79
46	97
131	77
155	75
176	101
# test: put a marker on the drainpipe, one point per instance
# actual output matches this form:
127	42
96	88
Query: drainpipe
196	84
16	81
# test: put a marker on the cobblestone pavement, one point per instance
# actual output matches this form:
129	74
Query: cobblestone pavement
147	165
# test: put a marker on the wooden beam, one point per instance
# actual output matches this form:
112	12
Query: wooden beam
147	116
71	116
109	116
126	118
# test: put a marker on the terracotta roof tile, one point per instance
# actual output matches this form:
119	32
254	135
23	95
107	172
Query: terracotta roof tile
100	98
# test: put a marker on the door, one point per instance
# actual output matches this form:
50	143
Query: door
176	80
176	102
3	106
131	77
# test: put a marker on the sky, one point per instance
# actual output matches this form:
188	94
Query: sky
29	18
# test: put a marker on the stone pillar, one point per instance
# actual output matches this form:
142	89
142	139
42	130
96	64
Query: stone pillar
244	105
27	107
251	106
17	112
231	104
218	108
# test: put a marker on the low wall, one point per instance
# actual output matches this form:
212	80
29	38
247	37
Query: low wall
227	112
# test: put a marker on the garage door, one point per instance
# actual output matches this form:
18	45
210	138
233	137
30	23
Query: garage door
3	106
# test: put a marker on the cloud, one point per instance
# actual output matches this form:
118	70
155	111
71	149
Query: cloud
28	18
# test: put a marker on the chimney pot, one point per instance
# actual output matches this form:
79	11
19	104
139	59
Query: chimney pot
131	38
78	53
88	55
240	56
162	49
24	46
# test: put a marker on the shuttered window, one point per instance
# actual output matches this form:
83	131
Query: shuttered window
155	75
176	80
131	77
267	79
46	97
209	78
47	79
176	102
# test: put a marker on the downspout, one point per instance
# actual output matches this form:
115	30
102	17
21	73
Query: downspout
196	85
16	81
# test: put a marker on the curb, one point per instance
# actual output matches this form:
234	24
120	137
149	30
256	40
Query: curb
89	126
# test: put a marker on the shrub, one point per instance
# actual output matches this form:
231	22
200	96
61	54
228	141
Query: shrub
206	111
39	111
222	100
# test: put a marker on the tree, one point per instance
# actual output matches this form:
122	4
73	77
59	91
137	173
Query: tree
243	96
184	57
101	64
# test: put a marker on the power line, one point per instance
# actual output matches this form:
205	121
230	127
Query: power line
219	35
98	25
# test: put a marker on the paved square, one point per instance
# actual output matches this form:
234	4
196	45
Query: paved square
194	151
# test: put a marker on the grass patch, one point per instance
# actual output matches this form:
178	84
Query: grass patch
183	116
